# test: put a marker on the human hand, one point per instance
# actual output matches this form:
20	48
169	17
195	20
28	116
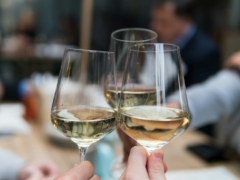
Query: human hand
44	170
82	171
143	167
233	61
128	144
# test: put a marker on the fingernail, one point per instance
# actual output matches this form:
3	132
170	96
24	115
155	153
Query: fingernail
158	155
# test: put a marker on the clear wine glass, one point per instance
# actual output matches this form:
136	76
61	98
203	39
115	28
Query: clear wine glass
79	109
120	41
153	78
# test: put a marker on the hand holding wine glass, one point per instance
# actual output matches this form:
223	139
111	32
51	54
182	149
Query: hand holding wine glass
120	41
152	73
144	166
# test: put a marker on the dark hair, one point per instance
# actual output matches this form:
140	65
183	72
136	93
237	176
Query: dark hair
183	8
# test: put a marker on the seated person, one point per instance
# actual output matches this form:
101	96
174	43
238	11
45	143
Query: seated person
173	21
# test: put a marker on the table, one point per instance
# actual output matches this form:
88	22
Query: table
178	158
37	147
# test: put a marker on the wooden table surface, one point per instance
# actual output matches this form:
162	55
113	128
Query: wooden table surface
36	146
178	157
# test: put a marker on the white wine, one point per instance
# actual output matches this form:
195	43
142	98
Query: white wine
132	96
84	125
153	126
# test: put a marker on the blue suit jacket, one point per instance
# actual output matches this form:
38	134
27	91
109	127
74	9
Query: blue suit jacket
202	57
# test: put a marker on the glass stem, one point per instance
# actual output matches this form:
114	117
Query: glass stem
82	151
149	149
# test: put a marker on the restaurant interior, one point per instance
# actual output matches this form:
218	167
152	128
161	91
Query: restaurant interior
33	37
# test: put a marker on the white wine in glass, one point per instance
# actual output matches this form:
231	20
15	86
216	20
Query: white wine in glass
84	125
120	41
79	109
153	74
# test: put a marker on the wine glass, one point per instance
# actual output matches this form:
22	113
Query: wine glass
153	78
79	109
120	41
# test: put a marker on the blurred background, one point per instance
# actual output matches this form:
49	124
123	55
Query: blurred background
34	34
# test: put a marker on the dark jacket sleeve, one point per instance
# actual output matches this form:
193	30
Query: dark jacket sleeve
11	91
202	58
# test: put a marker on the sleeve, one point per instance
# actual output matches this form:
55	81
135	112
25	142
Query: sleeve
10	91
10	165
207	68
215	97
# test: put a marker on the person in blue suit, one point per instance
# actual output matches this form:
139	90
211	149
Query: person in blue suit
174	23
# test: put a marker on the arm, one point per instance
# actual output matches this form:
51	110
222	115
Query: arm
215	97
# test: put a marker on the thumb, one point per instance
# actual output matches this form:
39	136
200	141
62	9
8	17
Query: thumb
35	176
156	166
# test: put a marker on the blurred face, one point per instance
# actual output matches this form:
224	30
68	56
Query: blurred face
166	24
27	19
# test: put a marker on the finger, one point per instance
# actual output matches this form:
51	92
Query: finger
165	167
83	171
137	161
126	150
37	175
164	164
95	177
155	166
48	168
128	143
